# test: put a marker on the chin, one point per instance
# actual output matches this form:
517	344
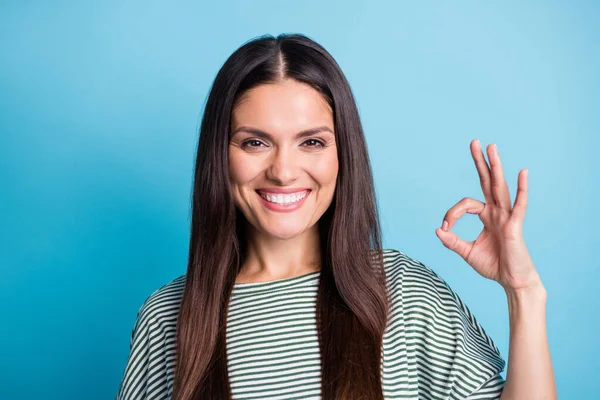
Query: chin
284	233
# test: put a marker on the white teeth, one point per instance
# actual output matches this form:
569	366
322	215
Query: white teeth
284	199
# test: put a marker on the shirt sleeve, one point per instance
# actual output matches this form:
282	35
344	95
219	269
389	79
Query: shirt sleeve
135	378
453	355
492	389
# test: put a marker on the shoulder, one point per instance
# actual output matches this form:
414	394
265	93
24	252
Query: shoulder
152	346
162	305
403	270
428	297
415	279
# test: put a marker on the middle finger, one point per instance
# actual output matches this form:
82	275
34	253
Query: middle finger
484	171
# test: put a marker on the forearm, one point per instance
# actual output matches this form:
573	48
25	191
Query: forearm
529	374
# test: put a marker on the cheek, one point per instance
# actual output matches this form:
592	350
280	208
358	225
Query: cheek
240	170
325	171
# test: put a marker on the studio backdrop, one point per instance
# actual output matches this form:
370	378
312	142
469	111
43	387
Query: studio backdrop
100	106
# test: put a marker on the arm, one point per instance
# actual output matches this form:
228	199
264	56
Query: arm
529	374
500	253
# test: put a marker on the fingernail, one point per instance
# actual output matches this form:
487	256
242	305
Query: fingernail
445	225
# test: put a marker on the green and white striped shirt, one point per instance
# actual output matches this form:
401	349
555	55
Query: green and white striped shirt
433	347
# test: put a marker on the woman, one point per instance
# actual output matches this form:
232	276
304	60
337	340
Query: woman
288	293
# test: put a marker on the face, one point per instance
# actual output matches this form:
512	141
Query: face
283	161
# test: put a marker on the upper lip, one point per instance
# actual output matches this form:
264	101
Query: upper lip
282	190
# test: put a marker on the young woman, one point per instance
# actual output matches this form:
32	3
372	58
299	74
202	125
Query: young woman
288	293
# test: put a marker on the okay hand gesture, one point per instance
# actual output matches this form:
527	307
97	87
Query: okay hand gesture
499	252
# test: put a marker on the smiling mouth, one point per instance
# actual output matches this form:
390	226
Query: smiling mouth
282	199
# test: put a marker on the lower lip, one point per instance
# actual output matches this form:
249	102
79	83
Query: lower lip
280	207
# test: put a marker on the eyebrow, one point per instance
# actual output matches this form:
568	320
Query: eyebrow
265	135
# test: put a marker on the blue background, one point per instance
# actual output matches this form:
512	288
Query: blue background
100	104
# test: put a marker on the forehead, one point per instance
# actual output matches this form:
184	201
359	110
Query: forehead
282	106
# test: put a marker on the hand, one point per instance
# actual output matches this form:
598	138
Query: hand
499	252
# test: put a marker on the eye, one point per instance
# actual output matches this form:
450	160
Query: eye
248	143
318	143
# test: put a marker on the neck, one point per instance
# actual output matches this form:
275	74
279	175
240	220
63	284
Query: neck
270	258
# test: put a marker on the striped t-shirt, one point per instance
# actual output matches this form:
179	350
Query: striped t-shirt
433	347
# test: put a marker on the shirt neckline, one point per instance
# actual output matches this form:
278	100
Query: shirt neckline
294	281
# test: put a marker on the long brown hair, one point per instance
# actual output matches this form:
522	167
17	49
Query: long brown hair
352	301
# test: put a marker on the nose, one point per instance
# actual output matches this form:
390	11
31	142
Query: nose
283	168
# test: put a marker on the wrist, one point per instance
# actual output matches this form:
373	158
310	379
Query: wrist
527	301
530	286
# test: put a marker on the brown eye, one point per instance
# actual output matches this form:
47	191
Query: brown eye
253	142
315	143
